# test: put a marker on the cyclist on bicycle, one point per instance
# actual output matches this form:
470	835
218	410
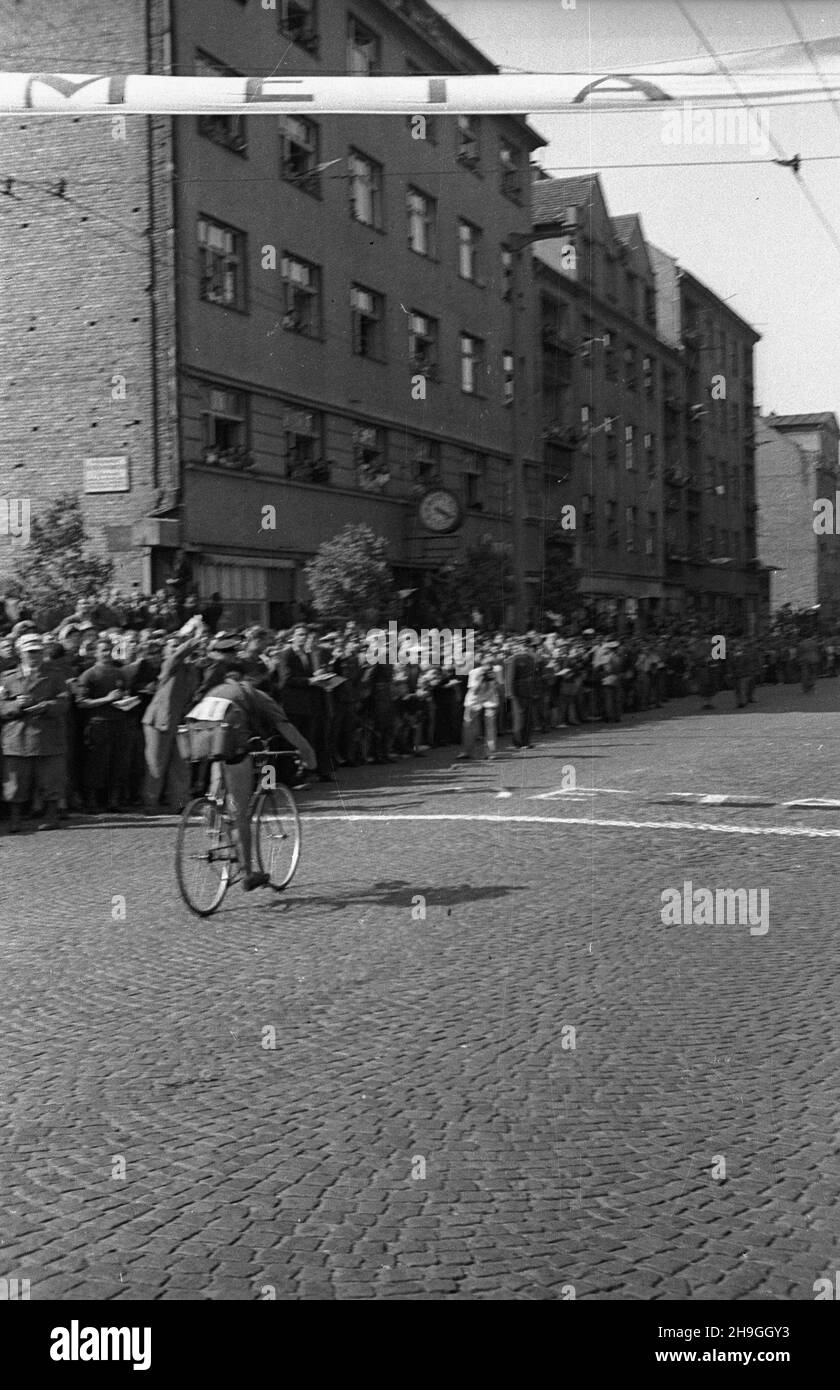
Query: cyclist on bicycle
251	714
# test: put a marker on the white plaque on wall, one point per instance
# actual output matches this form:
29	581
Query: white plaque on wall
107	475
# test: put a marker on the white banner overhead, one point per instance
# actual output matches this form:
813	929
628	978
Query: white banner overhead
789	74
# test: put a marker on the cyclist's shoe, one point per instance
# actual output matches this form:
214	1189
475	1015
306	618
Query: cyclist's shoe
251	881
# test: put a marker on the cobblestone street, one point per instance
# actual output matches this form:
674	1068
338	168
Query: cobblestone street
425	1124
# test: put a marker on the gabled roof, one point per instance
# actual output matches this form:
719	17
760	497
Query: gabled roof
551	197
803	422
627	228
625	225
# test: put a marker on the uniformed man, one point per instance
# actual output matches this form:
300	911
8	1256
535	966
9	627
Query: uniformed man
33	710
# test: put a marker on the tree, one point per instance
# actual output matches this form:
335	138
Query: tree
57	568
479	581
350	576
560	578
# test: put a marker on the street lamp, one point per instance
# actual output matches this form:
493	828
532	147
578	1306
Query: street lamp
516	243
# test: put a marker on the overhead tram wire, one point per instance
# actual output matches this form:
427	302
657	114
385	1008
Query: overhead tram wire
783	156
794	23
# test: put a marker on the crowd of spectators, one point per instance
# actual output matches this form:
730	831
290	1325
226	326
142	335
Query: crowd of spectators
89	711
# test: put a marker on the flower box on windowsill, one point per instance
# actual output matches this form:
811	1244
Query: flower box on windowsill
235	460
371	480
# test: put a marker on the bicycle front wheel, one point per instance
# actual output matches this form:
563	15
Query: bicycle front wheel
276	835
204	856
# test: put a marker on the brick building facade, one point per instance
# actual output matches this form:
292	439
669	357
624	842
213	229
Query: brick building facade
88	335
310	320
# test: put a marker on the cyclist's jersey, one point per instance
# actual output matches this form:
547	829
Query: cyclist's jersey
250	714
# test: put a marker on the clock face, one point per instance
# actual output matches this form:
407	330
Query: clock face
440	511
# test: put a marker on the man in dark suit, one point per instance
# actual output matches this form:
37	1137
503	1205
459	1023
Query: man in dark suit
304	705
521	675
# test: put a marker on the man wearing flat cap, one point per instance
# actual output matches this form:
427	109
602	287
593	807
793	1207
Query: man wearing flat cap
33	709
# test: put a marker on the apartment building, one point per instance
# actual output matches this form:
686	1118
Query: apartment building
711	552
602	381
315	314
796	469
646	407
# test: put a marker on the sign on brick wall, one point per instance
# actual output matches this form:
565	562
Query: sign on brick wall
107	475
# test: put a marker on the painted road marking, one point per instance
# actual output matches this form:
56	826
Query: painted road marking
788	832
813	802
712	799
582	791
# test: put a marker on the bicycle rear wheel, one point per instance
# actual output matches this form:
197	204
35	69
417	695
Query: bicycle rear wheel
205	855
276	835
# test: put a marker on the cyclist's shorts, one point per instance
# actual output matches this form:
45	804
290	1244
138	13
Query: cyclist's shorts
239	780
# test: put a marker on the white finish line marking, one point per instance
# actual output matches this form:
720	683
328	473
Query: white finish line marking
572	792
795	833
817	803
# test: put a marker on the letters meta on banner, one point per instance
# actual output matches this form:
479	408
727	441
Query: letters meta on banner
783	74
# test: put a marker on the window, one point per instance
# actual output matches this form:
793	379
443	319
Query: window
609	358
585	419
630	524
225	428
298	20
468	150
650	306
223	130
507	272
652	528
629	455
300	147
302	296
469	238
648	373
472	364
370	458
425	462
630	367
302	440
507	374
367	312
364	49
609	433
422	215
365	190
612	524
423	343
221	259
475	469
510	170
587	514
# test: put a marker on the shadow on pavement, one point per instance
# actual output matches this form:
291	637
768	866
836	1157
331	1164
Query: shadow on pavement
387	893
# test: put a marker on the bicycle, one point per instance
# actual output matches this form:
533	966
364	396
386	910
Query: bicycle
206	859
